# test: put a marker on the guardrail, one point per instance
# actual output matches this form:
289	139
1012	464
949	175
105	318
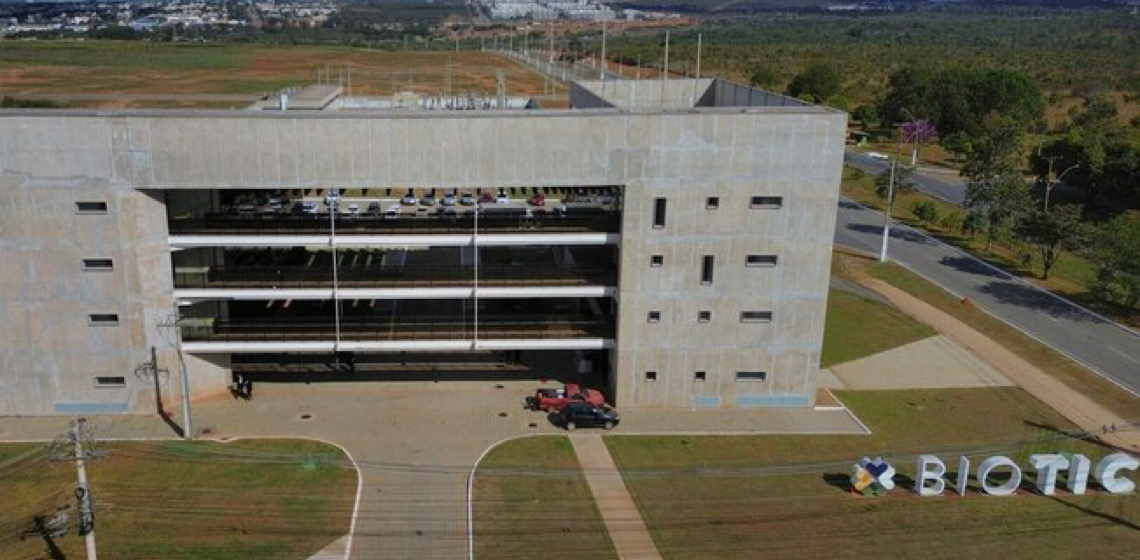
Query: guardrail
525	274
355	329
499	220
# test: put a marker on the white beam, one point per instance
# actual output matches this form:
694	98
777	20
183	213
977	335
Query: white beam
425	240
265	294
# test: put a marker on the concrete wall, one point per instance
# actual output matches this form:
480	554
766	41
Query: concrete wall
49	160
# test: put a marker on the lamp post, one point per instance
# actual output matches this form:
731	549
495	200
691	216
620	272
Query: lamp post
1049	186
914	131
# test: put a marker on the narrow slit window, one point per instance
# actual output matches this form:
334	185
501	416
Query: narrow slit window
98	264
654	317
103	319
698	376
707	264
651	376
704	316
659	212
110	381
657	261
761	260
767	202
712	202
756	317
751	375
91	207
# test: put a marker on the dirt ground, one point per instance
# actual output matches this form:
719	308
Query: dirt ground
140	70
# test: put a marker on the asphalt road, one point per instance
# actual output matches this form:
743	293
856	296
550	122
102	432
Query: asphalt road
947	186
1101	345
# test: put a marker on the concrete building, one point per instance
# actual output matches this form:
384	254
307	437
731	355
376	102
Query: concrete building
680	247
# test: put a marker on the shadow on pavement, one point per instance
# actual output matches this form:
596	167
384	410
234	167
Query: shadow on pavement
972	266
1014	293
904	234
848	205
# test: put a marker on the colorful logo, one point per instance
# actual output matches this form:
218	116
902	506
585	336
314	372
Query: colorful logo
873	478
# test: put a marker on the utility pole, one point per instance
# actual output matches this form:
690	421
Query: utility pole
82	492
603	77
332	201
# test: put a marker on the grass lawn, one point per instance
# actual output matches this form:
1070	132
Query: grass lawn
857	327
1048	360
44	67
531	501
1070	277
746	497
250	499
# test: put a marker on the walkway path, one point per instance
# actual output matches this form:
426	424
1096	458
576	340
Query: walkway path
1079	409
628	532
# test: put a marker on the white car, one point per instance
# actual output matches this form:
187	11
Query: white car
502	198
393	212
877	155
309	207
353	209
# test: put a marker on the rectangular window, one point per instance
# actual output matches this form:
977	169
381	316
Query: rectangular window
707	262
704	316
98	264
698	376
103	319
756	317
91	207
651	376
659	212
751	375
654	316
760	260
767	202
657	260
712	202
113	381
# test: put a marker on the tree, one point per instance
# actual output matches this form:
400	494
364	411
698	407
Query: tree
959	98
1108	153
904	183
958	144
996	147
925	211
996	200
866	114
819	80
1048	231
1117	260
766	77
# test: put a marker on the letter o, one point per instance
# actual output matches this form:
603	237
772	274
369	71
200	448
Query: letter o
991	463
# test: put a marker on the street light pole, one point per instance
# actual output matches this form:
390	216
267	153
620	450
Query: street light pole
1052	184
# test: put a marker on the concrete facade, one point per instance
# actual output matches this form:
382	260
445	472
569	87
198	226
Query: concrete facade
50	160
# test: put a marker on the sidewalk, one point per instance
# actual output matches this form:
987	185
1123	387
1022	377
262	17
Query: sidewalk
628	532
1077	408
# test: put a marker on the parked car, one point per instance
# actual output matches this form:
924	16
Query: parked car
309	207
353	209
502	198
537	200
428	200
373	209
467	199
552	400
409	199
393	212
247	209
586	415
878	156
448	199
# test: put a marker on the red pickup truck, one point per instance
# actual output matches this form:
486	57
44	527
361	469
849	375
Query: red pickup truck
553	400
